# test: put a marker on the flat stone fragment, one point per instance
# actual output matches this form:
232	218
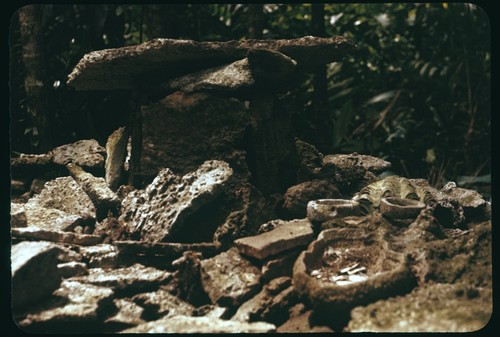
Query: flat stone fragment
86	153
229	279
280	264
161	59
29	262
73	268
159	211
82	312
116	149
65	194
103	198
431	308
40	234
293	234
50	219
172	250
100	256
136	277
161	303
188	324
348	161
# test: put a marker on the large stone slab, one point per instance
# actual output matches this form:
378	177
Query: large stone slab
188	324
229	279
293	234
40	234
160	59
159	211
183	130
39	217
34	272
86	153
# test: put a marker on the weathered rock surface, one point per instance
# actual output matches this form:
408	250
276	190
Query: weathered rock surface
348	161
188	324
297	197
86	153
82	311
229	279
30	164
161	303
159	211
431	308
29	260
160	59
270	305
128	279
40	234
182	131
303	323
129	314
116	149
72	268
280	264
51	219
294	234
103	256
66	195
103	198
17	215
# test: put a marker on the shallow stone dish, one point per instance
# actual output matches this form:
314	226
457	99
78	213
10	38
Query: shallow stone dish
400	208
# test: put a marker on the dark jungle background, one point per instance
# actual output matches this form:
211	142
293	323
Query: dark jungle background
417	93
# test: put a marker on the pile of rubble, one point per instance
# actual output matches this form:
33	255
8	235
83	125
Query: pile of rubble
203	243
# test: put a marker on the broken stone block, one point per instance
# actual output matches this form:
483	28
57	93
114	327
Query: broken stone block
188	324
116	149
129	279
103	198
430	308
29	261
160	59
50	219
161	303
40	234
17	216
271	304
129	314
229	279
183	130
31	164
83	311
66	195
159	211
100	256
294	234
280	264
297	197
85	153
73	268
348	161
264	69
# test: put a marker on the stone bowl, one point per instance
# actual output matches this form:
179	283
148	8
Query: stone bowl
322	210
322	275
400	208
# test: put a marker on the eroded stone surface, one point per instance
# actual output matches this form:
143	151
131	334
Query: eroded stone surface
72	268
294	234
86	153
348	161
160	59
431	308
229	279
129	314
161	303
29	260
116	149
40	234
17	215
51	219
297	197
188	324
160	210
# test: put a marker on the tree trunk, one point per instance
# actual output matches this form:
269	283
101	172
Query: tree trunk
319	98
30	24
255	21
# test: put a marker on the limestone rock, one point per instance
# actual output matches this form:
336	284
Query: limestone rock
229	279
188	324
294	234
100	256
50	219
432	308
297	197
348	161
83	310
31	164
116	149
65	194
161	303
86	153
30	260
103	198
34	233
160	59
161	210
133	278
184	130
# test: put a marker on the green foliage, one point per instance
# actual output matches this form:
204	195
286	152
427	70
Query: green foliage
416	93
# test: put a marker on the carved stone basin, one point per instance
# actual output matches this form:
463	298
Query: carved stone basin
348	267
400	208
322	210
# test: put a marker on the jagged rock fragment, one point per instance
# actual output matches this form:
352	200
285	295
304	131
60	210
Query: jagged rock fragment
86	153
116	149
